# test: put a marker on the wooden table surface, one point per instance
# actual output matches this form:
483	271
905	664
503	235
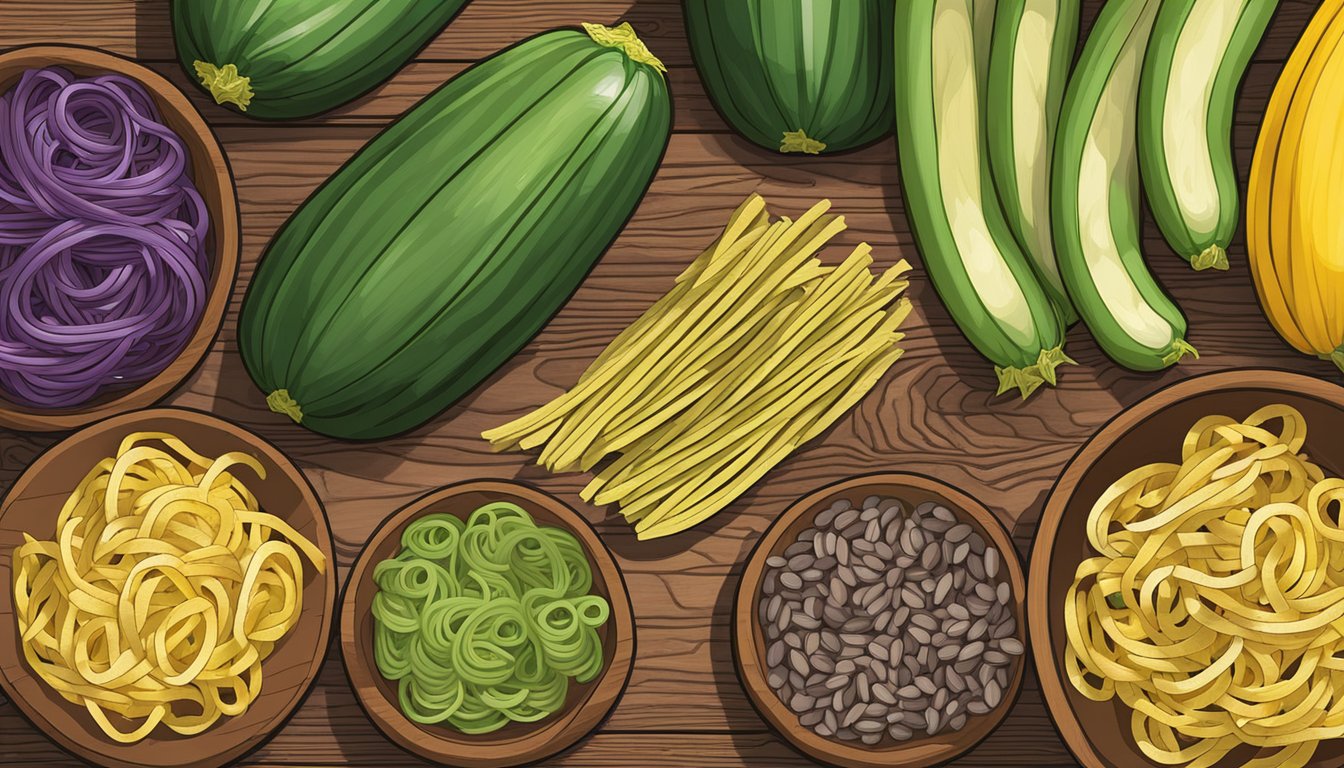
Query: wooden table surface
934	413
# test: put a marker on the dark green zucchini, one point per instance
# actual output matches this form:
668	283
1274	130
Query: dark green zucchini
288	59
446	243
796	75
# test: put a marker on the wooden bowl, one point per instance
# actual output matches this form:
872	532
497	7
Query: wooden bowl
1150	431
213	179
516	743
749	639
32	505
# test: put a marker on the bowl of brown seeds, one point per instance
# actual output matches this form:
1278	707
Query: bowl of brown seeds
879	623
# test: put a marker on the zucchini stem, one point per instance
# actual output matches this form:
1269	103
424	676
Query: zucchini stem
1027	380
1213	257
225	84
799	141
623	36
280	402
1337	357
1179	349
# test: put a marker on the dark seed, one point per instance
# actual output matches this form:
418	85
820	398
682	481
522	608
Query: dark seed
971	651
801	702
799	662
992	694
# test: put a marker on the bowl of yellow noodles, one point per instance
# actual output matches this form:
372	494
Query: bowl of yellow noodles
168	590
1186	595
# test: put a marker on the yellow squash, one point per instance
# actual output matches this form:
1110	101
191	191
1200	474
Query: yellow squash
1297	192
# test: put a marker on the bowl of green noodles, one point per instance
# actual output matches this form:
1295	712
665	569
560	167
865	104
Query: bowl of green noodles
486	624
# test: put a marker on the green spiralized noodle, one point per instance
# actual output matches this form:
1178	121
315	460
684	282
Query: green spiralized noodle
485	622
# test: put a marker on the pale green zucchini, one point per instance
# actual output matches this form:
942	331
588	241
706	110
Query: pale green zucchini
1191	72
1096	198
1029	61
970	254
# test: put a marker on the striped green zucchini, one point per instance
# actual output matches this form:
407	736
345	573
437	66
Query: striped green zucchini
288	59
975	263
1029	62
446	243
1096	199
807	76
1191	72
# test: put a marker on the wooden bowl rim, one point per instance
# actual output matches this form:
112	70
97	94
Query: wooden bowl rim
261	732
224	223
466	751
745	625
1040	615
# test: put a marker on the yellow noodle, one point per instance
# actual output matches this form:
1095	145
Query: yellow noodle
1215	609
757	348
162	592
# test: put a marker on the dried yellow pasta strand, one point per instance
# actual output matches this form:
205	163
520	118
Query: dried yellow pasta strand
762	401
622	383
724	431
723	313
782	437
714	300
698	395
686	432
695	510
674	392
763	362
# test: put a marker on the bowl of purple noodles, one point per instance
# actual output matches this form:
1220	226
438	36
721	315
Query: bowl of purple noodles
119	237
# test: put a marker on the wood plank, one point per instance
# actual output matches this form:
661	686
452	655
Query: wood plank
607	749
934	413
141	28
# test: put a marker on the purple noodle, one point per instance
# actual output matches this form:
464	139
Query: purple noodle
102	239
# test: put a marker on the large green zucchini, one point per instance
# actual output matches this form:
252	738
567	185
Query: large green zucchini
445	244
1192	69
1096	208
287	59
976	265
1030	57
796	75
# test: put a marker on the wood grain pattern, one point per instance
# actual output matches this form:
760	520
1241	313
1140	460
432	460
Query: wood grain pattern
933	414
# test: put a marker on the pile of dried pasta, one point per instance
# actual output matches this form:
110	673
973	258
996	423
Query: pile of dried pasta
757	349
1216	607
161	592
